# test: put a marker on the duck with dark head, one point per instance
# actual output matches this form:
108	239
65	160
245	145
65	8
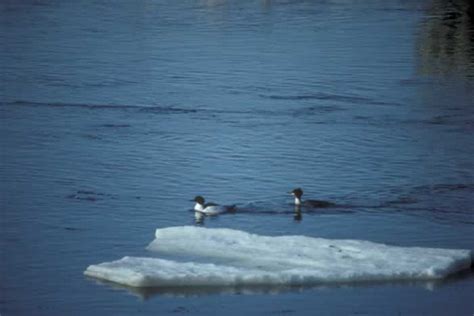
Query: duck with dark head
210	208
298	193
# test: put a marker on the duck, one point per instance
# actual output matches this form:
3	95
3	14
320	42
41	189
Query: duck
210	208
298	193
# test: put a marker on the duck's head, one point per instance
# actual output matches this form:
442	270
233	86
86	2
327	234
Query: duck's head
199	199
298	192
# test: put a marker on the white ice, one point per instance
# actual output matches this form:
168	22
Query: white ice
226	257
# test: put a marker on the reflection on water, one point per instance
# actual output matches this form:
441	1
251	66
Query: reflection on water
148	293
298	216
199	218
446	40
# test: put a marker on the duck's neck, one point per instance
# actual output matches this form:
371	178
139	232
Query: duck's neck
297	201
198	207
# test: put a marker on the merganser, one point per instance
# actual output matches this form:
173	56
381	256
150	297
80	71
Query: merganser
298	193
210	208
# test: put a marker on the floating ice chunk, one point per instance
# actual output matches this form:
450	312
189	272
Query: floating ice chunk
146	272
232	258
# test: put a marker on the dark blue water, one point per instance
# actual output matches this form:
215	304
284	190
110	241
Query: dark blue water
114	115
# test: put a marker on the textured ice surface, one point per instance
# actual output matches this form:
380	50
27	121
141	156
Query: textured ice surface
226	257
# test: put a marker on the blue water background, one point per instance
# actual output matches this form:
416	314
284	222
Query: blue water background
113	115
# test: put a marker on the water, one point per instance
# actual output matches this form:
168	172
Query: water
113	116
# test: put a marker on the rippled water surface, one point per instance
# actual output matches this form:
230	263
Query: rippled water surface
114	115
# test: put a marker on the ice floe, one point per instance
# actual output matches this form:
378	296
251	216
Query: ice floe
226	257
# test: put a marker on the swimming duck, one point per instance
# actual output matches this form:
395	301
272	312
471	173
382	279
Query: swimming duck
298	193
210	208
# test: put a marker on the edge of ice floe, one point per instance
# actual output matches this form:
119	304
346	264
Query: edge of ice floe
155	272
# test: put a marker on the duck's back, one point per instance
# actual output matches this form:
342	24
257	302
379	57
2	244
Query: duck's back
318	203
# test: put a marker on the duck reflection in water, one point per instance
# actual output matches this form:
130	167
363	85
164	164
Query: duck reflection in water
297	216
199	218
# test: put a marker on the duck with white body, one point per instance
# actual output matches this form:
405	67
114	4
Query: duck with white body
210	208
